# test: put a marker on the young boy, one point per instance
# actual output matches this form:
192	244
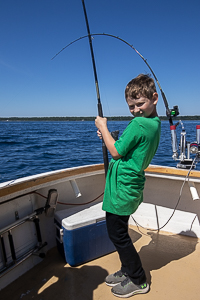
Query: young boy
131	155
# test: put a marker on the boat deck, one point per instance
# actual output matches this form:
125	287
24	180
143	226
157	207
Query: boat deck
171	262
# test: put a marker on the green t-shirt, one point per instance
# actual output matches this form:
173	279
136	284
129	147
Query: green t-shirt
125	178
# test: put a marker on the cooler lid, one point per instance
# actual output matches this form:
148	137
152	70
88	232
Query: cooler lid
90	215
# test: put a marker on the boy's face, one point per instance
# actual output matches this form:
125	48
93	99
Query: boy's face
142	106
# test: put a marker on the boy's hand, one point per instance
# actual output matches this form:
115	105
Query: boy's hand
99	134
100	122
102	132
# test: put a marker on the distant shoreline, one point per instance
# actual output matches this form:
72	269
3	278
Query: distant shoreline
118	118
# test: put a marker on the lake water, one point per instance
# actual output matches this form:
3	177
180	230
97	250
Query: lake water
28	148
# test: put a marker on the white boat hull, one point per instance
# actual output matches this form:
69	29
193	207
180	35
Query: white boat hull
161	194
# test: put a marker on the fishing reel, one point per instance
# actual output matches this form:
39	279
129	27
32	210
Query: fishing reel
174	112
192	148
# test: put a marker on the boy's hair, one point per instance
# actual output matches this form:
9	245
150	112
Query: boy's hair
142	85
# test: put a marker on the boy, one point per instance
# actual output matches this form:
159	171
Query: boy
131	155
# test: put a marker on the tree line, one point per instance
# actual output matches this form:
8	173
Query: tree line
117	118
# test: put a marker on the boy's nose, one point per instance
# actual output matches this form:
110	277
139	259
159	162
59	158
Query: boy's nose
136	109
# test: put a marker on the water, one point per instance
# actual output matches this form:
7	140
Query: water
28	148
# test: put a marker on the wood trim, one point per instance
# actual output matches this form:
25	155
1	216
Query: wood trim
37	180
171	171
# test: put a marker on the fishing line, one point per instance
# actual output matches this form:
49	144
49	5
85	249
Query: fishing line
180	194
168	111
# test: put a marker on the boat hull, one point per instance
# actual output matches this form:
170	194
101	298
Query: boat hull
167	206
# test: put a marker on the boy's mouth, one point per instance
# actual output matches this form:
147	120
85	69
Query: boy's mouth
140	114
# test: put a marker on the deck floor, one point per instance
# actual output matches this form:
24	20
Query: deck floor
171	262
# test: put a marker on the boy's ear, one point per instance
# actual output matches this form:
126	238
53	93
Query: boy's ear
155	98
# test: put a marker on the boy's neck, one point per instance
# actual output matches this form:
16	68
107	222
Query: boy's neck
153	115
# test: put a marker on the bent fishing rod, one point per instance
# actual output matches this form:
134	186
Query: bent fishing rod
170	113
193	148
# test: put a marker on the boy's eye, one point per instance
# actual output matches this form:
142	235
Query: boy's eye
140	104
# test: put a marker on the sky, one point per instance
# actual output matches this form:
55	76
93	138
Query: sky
166	33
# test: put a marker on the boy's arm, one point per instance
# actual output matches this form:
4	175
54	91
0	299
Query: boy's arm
101	124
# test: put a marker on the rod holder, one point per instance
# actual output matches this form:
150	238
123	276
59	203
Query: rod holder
193	190
75	188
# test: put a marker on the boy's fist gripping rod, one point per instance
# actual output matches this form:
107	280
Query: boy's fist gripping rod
99	106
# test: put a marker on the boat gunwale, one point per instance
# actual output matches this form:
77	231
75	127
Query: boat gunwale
40	180
156	169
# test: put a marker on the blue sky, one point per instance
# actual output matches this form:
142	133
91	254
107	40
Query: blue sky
166	33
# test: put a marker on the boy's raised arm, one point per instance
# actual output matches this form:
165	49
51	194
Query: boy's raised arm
101	124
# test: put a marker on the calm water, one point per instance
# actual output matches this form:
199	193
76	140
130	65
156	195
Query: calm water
28	148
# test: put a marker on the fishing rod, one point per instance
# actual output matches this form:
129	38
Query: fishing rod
170	113
192	148
99	105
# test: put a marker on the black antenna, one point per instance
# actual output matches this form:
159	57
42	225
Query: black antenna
100	111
